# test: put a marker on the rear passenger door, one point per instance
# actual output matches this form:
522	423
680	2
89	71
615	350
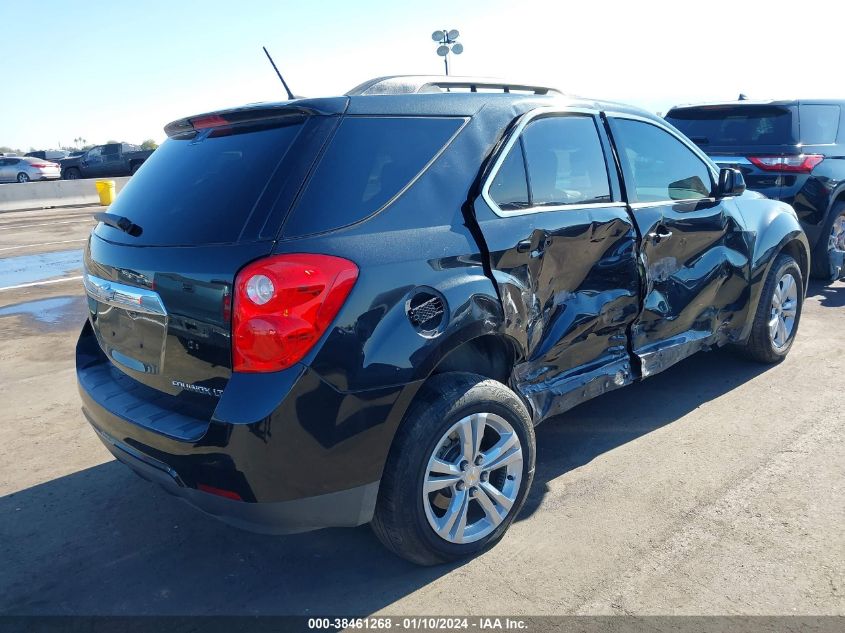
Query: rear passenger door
562	251
692	252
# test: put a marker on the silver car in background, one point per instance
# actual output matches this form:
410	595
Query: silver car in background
26	169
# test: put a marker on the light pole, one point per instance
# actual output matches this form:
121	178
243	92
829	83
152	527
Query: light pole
448	44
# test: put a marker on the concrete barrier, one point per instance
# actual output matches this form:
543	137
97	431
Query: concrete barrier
52	193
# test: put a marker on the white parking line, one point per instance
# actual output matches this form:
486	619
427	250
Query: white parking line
26	226
12	248
41	283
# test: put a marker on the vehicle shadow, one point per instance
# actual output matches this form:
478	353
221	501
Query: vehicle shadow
578	436
830	295
102	541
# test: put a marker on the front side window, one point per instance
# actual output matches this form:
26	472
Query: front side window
662	167
94	152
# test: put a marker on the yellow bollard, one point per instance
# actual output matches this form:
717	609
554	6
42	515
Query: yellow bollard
105	189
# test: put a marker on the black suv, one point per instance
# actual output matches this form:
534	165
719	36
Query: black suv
326	312
792	151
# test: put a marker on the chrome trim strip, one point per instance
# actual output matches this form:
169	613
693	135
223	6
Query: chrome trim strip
505	150
733	160
123	296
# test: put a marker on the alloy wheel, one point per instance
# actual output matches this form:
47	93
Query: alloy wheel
784	311
472	478
836	243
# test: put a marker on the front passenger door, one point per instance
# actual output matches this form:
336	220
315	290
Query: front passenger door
692	253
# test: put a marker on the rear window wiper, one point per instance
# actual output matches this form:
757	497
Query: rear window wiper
119	222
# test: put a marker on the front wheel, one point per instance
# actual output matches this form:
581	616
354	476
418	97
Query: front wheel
458	472
778	313
71	174
22	178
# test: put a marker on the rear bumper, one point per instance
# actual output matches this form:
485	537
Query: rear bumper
345	508
289	452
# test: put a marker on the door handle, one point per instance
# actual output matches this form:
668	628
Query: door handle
525	246
660	233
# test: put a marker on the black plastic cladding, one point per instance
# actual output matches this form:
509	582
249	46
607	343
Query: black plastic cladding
327	423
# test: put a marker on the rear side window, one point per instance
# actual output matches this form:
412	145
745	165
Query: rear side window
662	167
565	166
819	124
565	162
368	162
509	188
727	126
202	189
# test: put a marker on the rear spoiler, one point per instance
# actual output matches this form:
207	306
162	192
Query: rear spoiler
257	113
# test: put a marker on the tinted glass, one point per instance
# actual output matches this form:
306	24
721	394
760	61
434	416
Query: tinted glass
367	163
727	126
819	124
509	188
565	162
94	152
201	190
111	149
663	167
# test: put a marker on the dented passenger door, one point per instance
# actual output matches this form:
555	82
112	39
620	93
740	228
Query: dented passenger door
562	249
692	254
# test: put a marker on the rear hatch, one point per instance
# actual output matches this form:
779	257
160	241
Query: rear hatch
208	201
746	137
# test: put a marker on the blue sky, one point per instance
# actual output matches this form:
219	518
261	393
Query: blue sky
121	70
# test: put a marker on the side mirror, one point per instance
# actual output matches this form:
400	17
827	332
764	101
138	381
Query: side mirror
731	182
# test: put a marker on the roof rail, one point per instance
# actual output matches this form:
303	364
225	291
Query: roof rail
413	84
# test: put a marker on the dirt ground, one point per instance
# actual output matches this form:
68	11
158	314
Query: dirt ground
714	488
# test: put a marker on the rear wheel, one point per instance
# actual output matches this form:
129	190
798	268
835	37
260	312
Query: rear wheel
778	313
71	174
458	472
830	250
23	177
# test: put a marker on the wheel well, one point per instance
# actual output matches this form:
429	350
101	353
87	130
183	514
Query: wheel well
796	250
489	355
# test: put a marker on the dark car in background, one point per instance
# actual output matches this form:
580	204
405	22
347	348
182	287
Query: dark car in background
326	312
792	151
112	159
53	155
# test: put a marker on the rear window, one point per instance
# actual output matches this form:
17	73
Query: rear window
819	123
202	189
735	125
369	161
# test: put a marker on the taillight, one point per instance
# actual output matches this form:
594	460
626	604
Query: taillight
283	305
801	163
41	165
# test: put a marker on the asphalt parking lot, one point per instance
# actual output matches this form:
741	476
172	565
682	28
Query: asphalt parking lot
715	488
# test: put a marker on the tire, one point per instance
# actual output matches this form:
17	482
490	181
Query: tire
22	177
133	168
823	266
71	173
404	514
763	345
